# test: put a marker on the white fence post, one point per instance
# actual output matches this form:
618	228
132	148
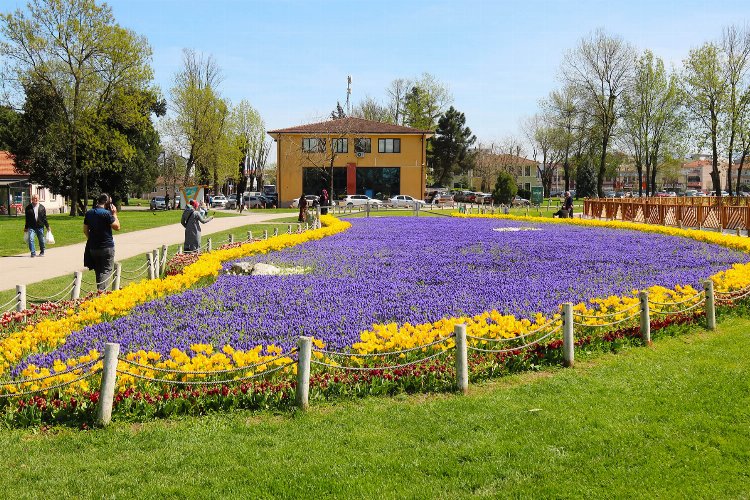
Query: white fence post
210	246
708	285
462	359
249	236
118	274
75	294
276	231
164	253
645	317
289	229
156	262
107	388
568	340
151	269
231	238
179	249
265	234
21	301
304	349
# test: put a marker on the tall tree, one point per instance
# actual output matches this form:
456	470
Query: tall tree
199	112
370	109
705	90
76	50
736	47
396	97
564	107
599	69
425	102
652	120
548	143
450	153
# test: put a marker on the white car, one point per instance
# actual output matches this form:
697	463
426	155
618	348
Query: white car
311	199
219	201
404	200
357	200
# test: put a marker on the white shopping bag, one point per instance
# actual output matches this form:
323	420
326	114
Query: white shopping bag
50	239
26	237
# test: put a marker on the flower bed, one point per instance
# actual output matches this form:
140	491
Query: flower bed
384	285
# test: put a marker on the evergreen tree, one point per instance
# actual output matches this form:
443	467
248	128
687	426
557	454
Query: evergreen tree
450	153
505	188
585	180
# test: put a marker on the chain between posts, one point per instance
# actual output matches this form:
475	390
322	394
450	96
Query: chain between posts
205	382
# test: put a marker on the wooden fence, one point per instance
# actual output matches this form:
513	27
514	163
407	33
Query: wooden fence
699	212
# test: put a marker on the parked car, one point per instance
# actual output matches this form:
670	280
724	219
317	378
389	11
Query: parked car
444	198
256	201
520	202
404	200
311	199
691	192
219	201
177	200
357	200
484	198
158	203
231	202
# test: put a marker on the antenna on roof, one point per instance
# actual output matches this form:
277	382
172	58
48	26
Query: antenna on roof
348	93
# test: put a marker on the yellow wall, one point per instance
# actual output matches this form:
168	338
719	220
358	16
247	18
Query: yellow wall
291	159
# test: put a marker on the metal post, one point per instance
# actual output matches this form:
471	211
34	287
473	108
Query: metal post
645	317
304	349
367	209
107	388
75	294
568	340
118	274
21	301
462	359
151	268
708	285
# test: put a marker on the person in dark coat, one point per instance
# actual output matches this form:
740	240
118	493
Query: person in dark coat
302	208
324	202
98	224
568	205
36	221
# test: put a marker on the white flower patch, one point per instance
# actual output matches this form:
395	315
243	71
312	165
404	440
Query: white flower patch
514	229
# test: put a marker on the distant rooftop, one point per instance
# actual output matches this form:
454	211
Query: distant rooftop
351	126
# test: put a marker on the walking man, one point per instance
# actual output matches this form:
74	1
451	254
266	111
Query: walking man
36	221
100	245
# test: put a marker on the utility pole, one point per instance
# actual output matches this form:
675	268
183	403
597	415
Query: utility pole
348	93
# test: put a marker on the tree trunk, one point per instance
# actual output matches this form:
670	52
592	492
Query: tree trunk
566	173
73	171
602	167
639	169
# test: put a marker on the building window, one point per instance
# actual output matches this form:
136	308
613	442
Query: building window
528	171
41	193
340	145
389	145
54	197
527	186
313	145
362	145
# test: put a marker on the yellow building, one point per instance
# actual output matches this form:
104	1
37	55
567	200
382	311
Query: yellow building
376	159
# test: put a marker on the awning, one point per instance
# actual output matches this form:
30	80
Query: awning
20	183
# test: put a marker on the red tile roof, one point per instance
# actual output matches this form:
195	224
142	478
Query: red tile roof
8	166
350	126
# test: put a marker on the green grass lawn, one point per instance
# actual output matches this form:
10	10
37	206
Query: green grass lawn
669	421
69	230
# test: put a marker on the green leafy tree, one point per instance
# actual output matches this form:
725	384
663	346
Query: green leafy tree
8	126
425	102
586	180
76	50
599	70
450	152
505	188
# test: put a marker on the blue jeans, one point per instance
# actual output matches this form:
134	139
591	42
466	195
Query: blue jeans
39	232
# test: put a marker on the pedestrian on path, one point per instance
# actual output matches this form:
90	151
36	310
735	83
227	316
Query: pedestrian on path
36	221
98	224
302	208
191	221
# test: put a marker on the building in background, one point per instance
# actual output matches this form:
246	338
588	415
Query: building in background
376	159
16	190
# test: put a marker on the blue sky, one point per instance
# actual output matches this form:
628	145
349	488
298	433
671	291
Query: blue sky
290	59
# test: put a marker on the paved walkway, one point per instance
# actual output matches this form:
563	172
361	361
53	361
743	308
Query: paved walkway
59	261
